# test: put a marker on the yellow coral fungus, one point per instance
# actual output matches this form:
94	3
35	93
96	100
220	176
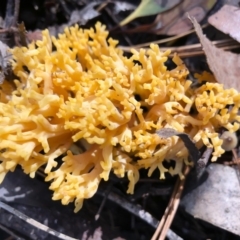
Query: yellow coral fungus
80	86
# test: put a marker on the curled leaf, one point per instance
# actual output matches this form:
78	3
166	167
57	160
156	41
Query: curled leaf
192	149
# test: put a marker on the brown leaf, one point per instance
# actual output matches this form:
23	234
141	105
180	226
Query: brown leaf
224	65
227	20
175	21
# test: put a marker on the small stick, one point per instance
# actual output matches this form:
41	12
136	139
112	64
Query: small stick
171	209
202	162
169	39
175	205
193	49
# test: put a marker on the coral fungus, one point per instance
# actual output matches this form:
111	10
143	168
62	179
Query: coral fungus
81	87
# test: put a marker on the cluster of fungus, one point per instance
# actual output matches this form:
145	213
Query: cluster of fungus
80	87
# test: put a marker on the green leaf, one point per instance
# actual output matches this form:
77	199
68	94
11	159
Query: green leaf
150	7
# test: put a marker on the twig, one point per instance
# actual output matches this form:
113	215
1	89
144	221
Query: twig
193	49
196	46
34	222
174	205
171	209
202	162
169	39
161	224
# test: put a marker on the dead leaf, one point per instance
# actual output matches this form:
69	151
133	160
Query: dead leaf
5	57
227	20
150	7
217	199
84	15
224	65
120	6
192	149
97	235
176	22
